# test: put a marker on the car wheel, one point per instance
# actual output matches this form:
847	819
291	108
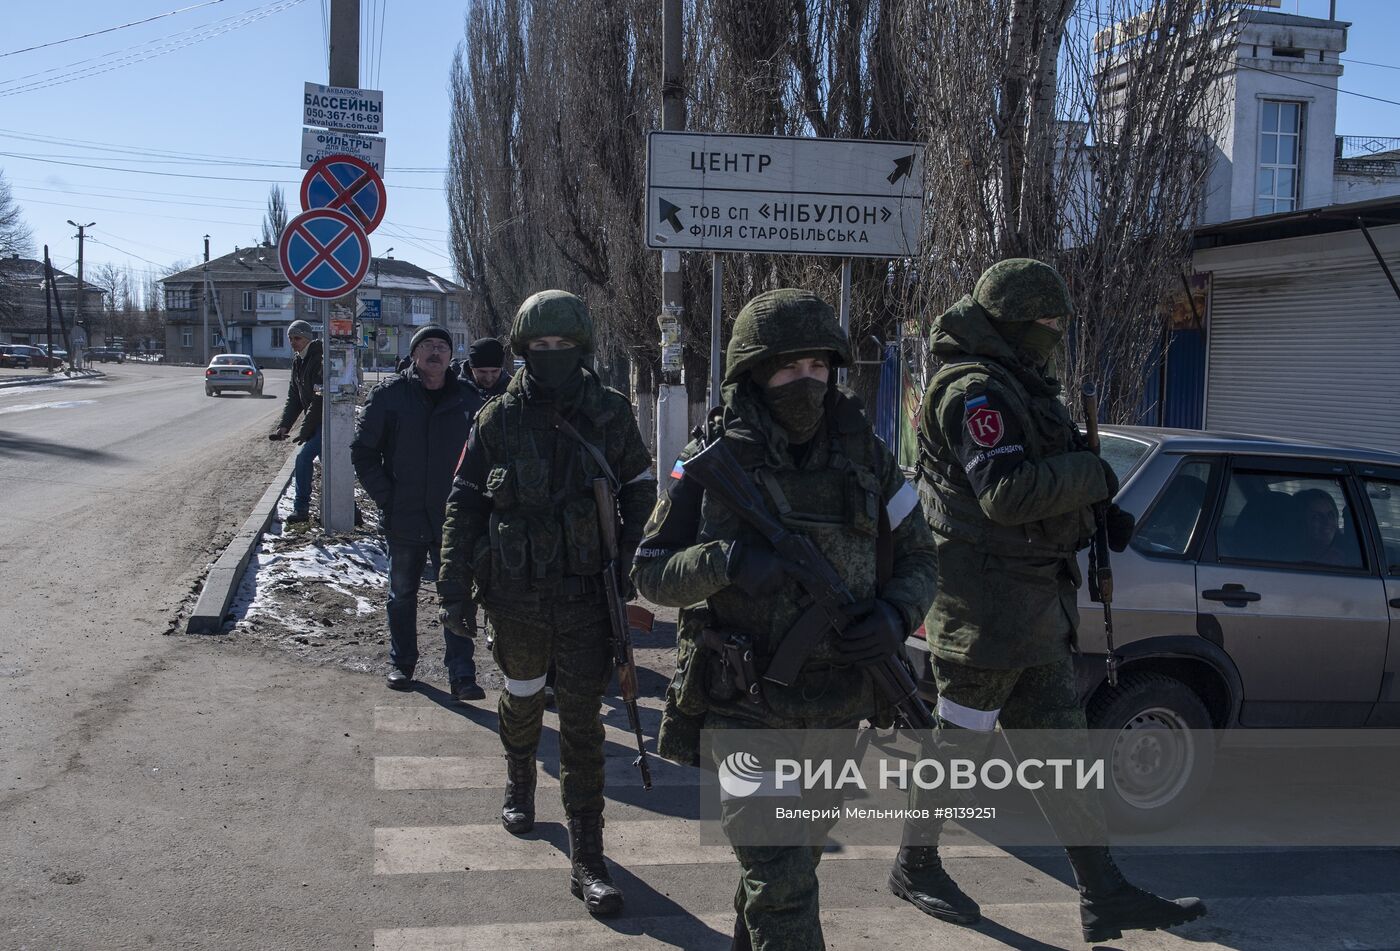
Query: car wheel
1154	734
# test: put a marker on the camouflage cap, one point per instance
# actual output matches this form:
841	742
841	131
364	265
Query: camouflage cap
788	320
552	314
1022	289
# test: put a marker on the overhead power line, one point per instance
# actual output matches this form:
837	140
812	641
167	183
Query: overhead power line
1307	82
111	29
214	178
198	35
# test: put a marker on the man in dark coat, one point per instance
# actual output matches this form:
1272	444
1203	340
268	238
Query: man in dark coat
483	373
303	399
405	452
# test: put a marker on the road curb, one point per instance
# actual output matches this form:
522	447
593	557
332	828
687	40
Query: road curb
50	378
224	577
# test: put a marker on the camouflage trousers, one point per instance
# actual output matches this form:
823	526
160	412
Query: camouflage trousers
1040	708
569	636
777	893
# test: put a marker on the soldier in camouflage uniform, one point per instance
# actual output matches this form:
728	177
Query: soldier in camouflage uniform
816	460
1007	485
521	536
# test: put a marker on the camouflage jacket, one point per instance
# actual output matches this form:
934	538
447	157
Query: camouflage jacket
1006	486
521	520
833	494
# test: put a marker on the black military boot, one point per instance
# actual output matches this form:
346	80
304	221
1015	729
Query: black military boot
589	879
918	877
518	812
1110	905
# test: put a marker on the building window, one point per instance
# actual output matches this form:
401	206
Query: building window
278	338
310	307
1280	141
423	309
454	310
461	340
187	338
177	299
248	302
393	306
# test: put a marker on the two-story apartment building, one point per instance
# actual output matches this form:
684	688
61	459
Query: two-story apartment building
251	304
24	315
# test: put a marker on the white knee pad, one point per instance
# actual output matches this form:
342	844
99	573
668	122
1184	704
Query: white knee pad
525	688
980	721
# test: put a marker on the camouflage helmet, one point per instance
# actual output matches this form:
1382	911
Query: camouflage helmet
552	314
787	320
1018	290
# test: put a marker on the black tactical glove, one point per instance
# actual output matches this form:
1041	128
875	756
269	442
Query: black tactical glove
877	633
1110	477
1120	527
754	570
453	616
625	557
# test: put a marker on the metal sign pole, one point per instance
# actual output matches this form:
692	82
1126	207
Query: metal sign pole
339	390
844	373
716	315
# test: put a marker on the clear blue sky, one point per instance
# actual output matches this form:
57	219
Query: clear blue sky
235	97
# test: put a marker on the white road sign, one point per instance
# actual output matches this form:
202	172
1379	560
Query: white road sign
778	195
316	144
340	107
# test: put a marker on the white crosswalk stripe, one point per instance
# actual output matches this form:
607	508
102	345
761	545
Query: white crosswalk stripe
427	750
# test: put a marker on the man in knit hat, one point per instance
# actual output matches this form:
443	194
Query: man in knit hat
304	400
405	452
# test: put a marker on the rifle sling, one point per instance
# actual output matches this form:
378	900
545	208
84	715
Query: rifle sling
567	429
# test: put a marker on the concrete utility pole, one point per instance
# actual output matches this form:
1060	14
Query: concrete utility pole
340	387
204	299
672	404
73	358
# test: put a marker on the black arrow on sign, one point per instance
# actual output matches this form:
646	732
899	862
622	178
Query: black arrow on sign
901	168
671	213
884	215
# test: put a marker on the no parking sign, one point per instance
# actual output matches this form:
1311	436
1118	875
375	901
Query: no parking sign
324	253
347	184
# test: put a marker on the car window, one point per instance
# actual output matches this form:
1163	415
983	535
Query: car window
1290	519
1121	453
1175	516
1385	502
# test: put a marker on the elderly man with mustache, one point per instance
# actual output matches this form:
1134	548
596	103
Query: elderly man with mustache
405	453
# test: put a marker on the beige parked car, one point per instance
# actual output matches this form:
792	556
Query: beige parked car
1261	589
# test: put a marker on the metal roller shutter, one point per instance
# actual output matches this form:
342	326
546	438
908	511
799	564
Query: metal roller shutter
1309	351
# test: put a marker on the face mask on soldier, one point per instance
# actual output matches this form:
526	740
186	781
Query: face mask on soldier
797	407
551	369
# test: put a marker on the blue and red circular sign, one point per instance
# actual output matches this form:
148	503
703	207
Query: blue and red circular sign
347	184
324	253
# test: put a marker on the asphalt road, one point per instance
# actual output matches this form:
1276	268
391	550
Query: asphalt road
163	791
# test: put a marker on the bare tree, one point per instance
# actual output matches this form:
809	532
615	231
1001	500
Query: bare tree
15	239
1072	133
275	218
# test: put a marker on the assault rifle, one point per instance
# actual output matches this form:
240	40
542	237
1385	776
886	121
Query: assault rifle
1100	568
621	634
720	474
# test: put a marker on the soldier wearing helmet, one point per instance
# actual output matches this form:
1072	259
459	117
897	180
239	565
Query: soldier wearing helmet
521	538
1007	486
816	461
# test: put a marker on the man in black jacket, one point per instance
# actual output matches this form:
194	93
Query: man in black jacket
483	373
405	453
303	399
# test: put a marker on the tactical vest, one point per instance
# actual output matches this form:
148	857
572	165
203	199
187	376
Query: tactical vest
837	506
949	502
544	523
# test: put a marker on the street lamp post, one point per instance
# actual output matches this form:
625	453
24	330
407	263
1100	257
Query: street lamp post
74	357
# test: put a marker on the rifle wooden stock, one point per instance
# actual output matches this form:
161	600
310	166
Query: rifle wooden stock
619	633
